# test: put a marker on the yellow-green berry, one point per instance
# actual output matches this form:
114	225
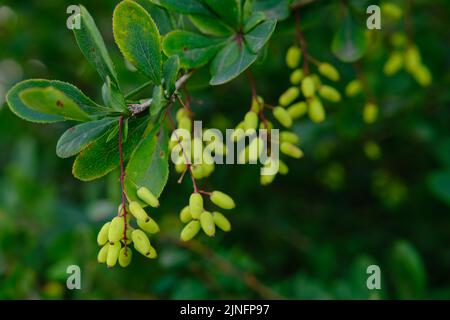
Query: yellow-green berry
296	76
196	205
102	236
137	211
289	96
125	256
282	116
370	113
116	229
308	87
330	93
221	222
297	109
149	225
291	137
190	230
353	88
148	197
329	71
103	254
185	215
251	120
207	223
141	242
316	111
393	64
293	57
290	150
222	200
113	254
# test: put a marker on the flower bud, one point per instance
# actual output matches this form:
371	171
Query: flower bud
141	242
145	195
330	93
293	57
222	200
251	120
290	150
190	230
116	229
353	88
308	87
393	64
137	211
282	116
370	113
297	110
196	205
329	71
207	223
291	137
221	221
125	255
296	77
185	215
289	96
148	225
316	111
103	253
113	254
102	236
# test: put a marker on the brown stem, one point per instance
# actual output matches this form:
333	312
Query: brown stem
301	40
122	181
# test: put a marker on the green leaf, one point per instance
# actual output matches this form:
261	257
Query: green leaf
231	62
159	14
78	137
52	101
93	47
171	70
185	6
210	25
273	9
194	50
158	101
228	10
23	111
113	133
349	43
138	38
101	157
439	185
149	165
255	19
258	37
113	97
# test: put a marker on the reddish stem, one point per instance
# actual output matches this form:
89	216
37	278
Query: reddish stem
122	180
302	42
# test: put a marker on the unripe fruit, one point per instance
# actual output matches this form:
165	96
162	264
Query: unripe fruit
289	96
148	225
196	205
317	81
372	150
267	123
330	93
197	171
137	211
291	137
370	113
398	39
251	120
116	229
128	235
222	222
316	111
296	76
222	200
181	113
329	71
102	236
190	230
393	64
308	87
145	195
180	167
282	116
412	59
253	150
423	76
141	242
125	256
297	110
207	223
391	10
185	215
185	124
353	88
257	104
290	150
283	168
293	57
103	254
267	179
113	254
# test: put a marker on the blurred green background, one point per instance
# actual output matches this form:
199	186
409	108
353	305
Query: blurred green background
309	235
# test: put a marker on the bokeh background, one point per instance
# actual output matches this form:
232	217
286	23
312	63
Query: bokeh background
309	235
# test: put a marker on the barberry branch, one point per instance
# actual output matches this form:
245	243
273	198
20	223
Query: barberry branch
302	42
122	180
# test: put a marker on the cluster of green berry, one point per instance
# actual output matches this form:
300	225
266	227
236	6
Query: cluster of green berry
196	217
115	236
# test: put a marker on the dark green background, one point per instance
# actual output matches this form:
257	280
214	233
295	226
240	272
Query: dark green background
310	235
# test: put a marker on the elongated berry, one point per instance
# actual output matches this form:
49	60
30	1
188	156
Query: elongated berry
181	113
180	167
283	168
412	59
116	229
253	150
329	71
137	211
370	113
222	200
353	88
288	136
197	171
293	57
196	205
113	254
251	120
185	215
207	223
125	256
282	116
221	221
297	109
329	93
141	241
289	96
398	39
296	77
128	235
393	64
423	76
267	125
148	225
267	179
145	195
103	253
391	10
102	236
190	230
186	124
316	111
308	87
290	150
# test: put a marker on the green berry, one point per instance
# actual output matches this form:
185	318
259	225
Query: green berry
181	114
412	59
423	76
289	96
291	137
145	195
185	215
141	242
103	254
393	64
282	116
283	168
329	71
116	229
113	254
370	113
148	225
257	104
102	236
353	88
308	87
196	205
297	110
190	230
185	124
137	211
296	77
329	93
316	111
293	57
251	120
291	150
391	10
125	256
267	179
222	200
207	223
222	222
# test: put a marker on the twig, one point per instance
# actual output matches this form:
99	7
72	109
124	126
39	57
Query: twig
122	181
302	42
